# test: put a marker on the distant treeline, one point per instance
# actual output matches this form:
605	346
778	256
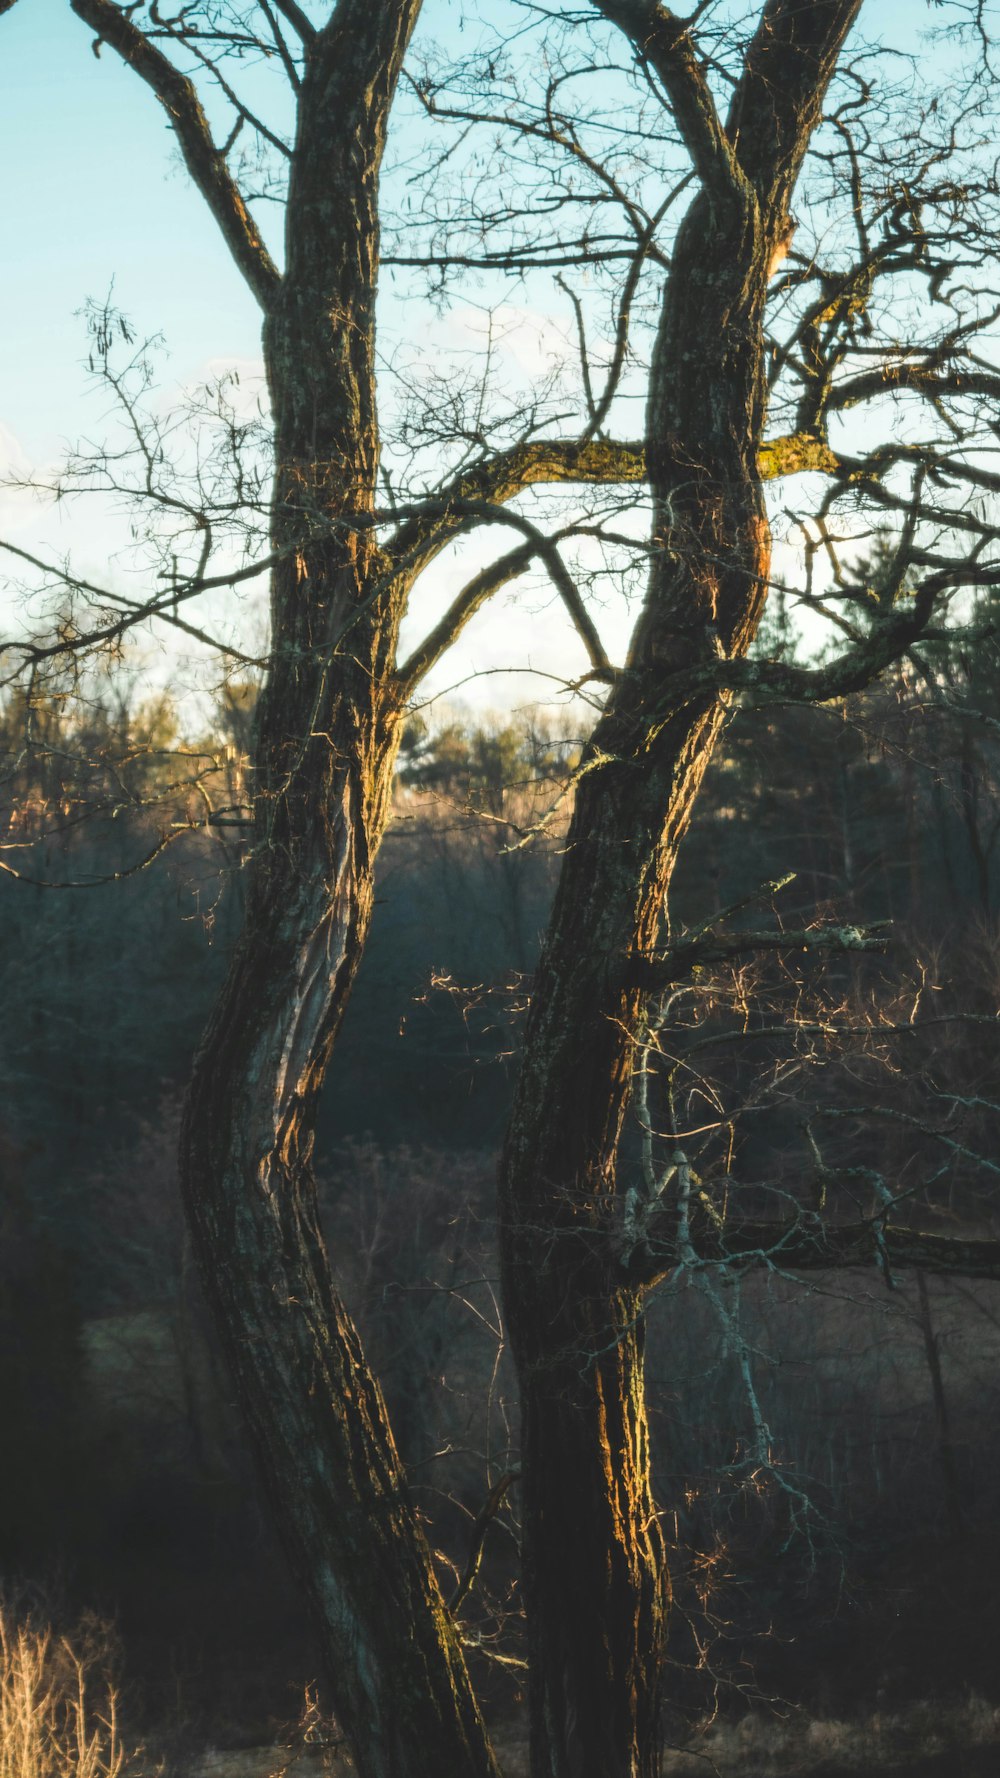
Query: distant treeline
125	1473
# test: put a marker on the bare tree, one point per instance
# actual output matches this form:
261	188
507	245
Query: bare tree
724	113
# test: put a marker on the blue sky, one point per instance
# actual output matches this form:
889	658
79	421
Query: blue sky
95	195
94	192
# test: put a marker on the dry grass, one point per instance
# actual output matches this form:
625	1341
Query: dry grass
891	1742
58	1705
897	1744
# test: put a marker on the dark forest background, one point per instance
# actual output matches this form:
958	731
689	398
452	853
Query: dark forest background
827	1451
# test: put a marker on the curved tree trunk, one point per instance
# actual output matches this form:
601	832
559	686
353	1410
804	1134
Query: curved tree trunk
595	1571
596	1585
327	735
595	1579
594	1565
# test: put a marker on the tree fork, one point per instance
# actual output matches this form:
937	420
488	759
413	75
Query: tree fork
577	1338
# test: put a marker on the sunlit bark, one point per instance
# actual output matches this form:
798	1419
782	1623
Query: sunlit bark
595	1577
594	1567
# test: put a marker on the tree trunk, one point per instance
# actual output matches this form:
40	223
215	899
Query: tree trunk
327	733
595	1571
595	1579
942	1424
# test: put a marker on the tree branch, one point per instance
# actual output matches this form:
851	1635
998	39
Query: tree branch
806	1244
920	379
203	160
663	41
657	971
487	1512
464	606
295	16
778	100
858	666
547	550
597	461
133	611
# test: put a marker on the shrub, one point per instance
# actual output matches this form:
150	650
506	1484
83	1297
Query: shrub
58	1704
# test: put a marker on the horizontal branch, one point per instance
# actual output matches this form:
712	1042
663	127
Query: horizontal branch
916	378
657	971
780	682
514	259
536	462
805	1244
771	681
177	828
132	611
941	467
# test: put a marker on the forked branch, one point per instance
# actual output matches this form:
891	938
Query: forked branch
778	100
486	1514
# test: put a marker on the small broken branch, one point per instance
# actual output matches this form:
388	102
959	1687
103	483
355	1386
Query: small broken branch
487	1512
659	970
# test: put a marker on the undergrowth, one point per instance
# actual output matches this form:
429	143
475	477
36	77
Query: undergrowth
58	1703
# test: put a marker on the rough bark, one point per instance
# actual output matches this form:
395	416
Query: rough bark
325	748
595	1575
